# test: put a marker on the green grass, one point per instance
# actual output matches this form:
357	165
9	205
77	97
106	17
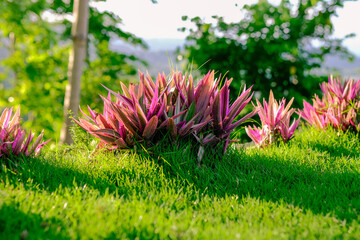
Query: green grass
308	189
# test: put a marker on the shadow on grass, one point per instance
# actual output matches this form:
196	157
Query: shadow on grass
272	175
40	174
52	174
334	150
15	224
336	144
277	177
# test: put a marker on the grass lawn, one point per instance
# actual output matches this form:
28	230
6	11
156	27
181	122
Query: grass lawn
308	189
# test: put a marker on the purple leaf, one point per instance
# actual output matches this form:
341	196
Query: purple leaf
150	127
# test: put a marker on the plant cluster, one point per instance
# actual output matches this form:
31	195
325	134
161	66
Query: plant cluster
275	122
338	107
144	112
13	140
176	106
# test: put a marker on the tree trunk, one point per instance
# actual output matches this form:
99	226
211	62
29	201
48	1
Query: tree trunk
79	33
12	39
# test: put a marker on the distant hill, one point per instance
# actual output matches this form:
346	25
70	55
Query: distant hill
164	44
341	67
161	57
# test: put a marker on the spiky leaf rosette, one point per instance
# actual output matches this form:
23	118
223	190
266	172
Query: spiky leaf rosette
338	108
275	120
13	140
175	105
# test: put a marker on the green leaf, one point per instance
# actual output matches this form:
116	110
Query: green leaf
190	113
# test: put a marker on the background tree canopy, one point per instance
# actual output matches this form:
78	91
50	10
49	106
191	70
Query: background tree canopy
37	37
273	47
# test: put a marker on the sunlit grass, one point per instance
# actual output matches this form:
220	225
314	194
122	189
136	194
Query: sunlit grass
307	189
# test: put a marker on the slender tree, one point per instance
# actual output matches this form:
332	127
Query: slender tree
77	56
35	43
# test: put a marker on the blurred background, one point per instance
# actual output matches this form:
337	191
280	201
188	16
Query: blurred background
289	46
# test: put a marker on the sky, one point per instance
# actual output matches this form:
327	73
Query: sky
161	20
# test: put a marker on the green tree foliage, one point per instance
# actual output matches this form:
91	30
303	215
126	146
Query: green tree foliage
272	47
37	37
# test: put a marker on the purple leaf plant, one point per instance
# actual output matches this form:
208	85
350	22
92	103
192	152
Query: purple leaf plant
339	107
275	122
223	114
188	107
173	105
13	140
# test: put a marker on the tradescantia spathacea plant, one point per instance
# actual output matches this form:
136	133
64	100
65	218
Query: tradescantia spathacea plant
13	140
106	127
208	116
223	114
188	108
146	111
275	122
338	108
132	117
